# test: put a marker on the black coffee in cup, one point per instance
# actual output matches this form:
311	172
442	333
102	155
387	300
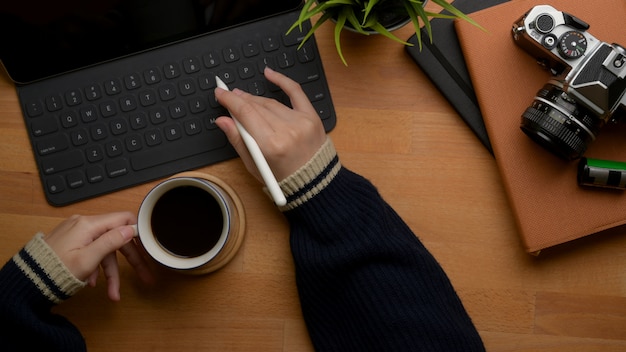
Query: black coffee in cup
187	221
192	223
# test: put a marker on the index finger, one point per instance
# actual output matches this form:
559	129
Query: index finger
293	89
100	224
246	110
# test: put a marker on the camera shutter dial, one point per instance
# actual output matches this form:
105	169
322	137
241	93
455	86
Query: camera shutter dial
572	45
544	23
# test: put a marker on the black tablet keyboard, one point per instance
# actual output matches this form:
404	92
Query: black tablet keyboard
151	115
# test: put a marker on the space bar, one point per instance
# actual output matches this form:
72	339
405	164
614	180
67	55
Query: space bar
175	151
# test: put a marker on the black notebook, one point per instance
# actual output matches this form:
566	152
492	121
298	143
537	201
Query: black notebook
443	62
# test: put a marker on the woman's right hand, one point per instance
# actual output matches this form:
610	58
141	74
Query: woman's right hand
288	137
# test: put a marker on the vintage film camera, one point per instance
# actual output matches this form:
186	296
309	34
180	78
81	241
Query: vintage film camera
588	86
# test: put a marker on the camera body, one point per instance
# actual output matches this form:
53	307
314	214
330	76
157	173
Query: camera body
588	84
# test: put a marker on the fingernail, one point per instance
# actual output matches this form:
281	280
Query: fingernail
127	232
135	230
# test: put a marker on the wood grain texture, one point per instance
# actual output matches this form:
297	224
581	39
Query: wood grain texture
398	131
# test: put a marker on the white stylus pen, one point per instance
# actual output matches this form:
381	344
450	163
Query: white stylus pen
257	156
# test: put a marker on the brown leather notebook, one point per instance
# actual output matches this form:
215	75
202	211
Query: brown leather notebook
549	206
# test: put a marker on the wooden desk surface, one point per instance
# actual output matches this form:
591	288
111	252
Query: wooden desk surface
397	130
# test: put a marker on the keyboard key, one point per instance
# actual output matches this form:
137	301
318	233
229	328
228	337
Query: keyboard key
207	81
52	144
210	60
256	88
112	87
230	54
209	122
133	143
167	92
41	127
152	76
246	71
285	60
132	81
250	49
54	103
191	65
55	184
267	61
114	148
295	36
153	137
79	137
68	119
108	109
171	70
193	126
305	54
270	43
128	103
98	132
93	92
118	126
88	113
75	179
138	120
117	168
147	97
197	105
306	75
62	162
227	75
73	98
323	110
173	132
33	109
314	92
187	86
95	174
94	153
177	151
158	115
177	110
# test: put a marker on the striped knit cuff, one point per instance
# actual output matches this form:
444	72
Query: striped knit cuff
46	270
312	177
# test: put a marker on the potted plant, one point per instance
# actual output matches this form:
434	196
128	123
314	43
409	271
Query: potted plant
373	16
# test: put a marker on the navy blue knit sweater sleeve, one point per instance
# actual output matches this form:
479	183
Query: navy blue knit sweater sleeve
31	283
365	280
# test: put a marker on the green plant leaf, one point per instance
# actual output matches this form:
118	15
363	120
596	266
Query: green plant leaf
354	21
415	15
306	8
325	17
368	8
341	20
382	30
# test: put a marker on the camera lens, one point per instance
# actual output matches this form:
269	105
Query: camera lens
557	123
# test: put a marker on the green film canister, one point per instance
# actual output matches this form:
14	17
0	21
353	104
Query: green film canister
602	173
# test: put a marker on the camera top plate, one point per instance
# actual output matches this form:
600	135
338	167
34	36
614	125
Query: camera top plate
561	40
